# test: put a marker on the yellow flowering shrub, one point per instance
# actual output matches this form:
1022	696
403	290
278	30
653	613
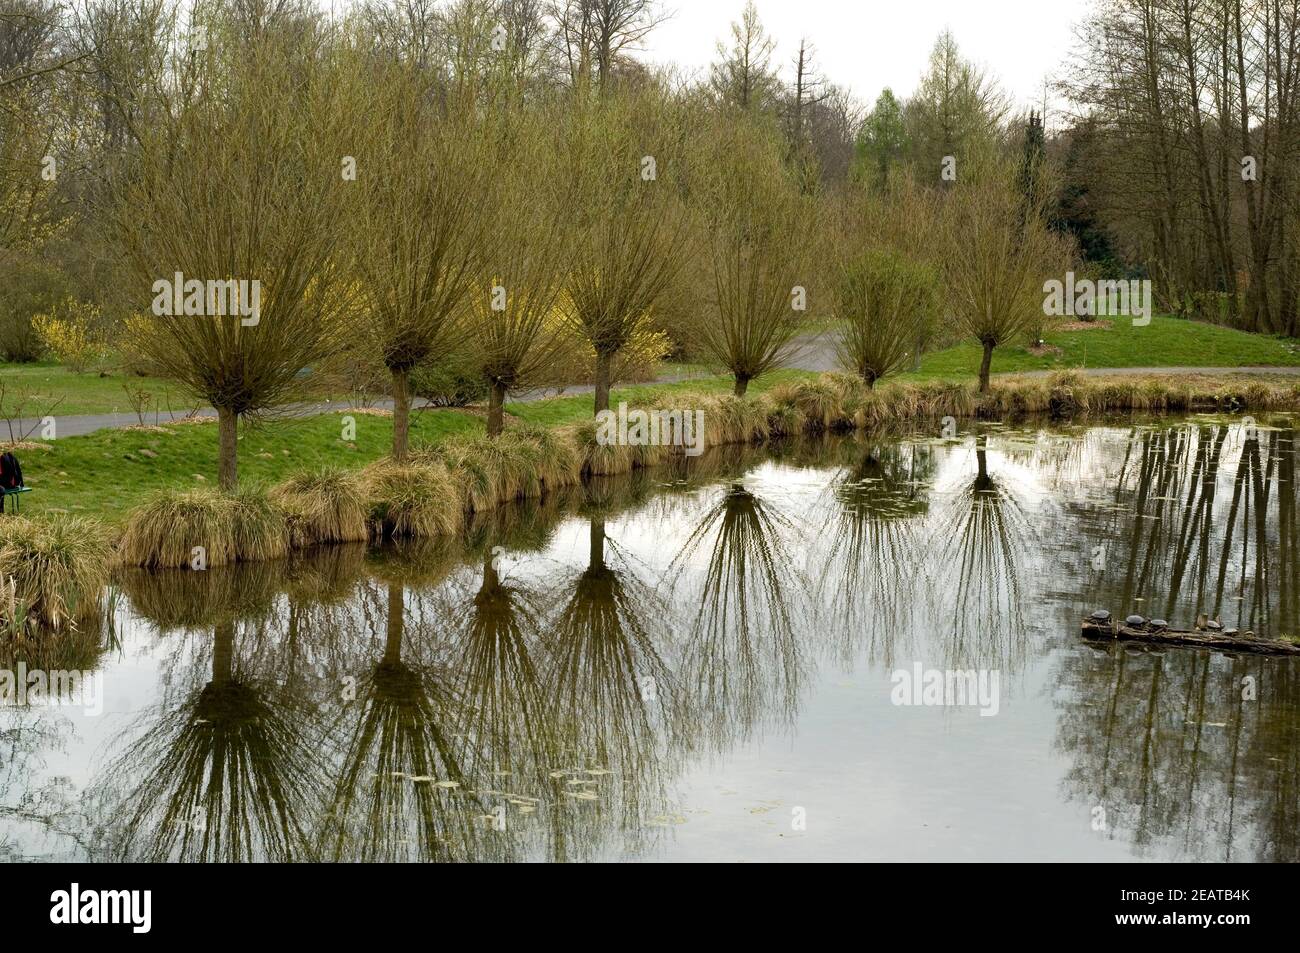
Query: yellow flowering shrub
71	333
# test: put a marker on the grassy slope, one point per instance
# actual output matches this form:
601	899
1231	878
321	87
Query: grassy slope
105	473
1166	342
86	393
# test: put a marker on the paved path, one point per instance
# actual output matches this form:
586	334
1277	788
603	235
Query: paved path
812	353
74	425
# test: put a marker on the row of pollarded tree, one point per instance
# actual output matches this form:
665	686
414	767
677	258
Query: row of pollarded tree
394	225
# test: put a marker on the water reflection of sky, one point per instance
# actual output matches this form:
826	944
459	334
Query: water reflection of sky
678	665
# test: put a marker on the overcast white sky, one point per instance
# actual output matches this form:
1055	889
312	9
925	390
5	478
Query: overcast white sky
869	44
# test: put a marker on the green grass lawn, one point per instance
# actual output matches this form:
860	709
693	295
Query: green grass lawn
562	410
108	472
44	383
1165	342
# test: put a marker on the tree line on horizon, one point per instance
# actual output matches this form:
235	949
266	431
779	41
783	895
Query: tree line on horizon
508	190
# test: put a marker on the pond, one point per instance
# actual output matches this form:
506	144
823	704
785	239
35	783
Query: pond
730	658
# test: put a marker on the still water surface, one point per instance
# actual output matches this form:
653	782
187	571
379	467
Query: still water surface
696	664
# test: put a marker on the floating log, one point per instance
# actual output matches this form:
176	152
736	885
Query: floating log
1100	627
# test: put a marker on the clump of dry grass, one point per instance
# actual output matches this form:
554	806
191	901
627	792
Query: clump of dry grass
946	399
558	457
260	529
52	571
165	530
523	462
22	446
493	470
323	506
600	459
1016	397
818	401
729	419
1072	394
171	528
419	498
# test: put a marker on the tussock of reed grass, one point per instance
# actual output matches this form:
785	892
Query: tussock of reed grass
602	459
52	571
496	470
818	402
559	458
419	498
433	493
323	506
727	419
259	530
164	531
1067	394
167	530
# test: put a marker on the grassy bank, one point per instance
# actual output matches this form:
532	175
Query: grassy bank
109	472
47	384
332	485
1165	342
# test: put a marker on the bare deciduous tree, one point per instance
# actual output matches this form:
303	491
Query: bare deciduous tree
997	254
241	183
515	327
625	154
422	184
758	232
885	305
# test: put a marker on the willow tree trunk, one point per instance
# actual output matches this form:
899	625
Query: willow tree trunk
491	577
223	654
596	549
603	362
401	412
742	385
227	449
496	409
394	629
985	365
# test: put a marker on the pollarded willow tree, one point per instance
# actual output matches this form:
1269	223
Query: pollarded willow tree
624	152
514	320
998	251
229	220
422	183
757	233
885	304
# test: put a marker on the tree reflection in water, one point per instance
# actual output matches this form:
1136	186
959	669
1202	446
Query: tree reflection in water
1194	755
401	767
743	663
982	545
868	574
388	703
1181	762
226	772
611	691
